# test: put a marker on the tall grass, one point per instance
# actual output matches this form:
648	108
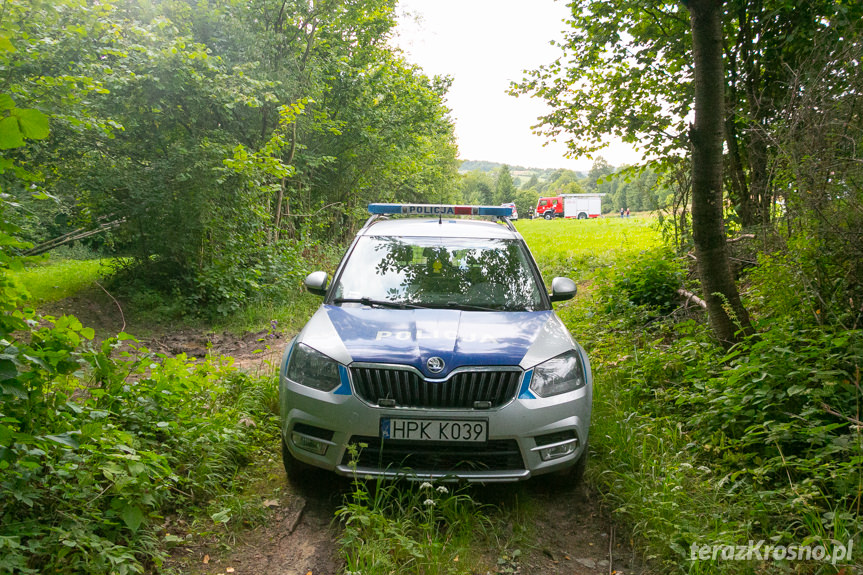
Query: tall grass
58	279
411	527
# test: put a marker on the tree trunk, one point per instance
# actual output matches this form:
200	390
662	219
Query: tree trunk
738	190
758	105
727	316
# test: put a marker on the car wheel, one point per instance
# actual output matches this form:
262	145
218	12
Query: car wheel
582	216
576	472
293	467
548	215
570	477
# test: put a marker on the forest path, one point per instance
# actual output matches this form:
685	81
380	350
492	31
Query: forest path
569	533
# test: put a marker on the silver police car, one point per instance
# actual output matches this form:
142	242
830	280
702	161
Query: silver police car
437	354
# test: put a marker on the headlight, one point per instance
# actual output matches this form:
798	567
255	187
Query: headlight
313	369
558	375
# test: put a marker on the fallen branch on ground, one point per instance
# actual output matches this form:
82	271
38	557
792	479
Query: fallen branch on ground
740	237
692	297
831	411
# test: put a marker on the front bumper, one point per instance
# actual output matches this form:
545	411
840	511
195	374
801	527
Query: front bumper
329	430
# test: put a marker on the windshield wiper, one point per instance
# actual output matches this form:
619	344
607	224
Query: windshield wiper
377	302
469	307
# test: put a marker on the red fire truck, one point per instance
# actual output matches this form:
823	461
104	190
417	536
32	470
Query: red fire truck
581	206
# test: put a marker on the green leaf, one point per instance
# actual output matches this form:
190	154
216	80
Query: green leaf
64	439
6	102
14	388
10	135
8	369
6	44
33	123
132	516
222	516
6	434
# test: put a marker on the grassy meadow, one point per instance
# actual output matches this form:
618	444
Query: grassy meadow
51	280
575	248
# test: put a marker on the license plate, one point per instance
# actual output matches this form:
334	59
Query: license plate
434	429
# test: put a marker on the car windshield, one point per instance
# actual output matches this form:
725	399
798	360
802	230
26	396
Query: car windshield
460	273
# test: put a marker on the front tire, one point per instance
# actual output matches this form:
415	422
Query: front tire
294	468
571	477
548	215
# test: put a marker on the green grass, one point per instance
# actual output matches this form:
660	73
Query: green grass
55	280
406	527
574	248
433	528
289	315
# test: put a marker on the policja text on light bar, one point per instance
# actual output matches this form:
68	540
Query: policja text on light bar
439	210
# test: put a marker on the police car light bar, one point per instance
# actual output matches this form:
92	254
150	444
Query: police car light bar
439	210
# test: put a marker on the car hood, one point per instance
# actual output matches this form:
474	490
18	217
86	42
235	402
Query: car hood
360	334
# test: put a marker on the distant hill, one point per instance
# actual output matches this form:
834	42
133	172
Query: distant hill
483	166
520	174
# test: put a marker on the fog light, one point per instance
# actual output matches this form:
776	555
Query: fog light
557	451
307	443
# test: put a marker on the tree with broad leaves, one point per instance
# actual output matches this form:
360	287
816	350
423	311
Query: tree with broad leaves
625	70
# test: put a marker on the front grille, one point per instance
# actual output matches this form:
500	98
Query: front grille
495	455
407	388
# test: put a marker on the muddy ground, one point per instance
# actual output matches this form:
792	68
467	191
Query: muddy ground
570	533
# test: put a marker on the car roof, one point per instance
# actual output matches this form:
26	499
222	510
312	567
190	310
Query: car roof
447	228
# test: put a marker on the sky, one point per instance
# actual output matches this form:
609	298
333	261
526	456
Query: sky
483	45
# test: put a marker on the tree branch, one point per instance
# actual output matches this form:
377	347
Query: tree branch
692	297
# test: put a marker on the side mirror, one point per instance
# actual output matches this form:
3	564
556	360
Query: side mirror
316	283
562	289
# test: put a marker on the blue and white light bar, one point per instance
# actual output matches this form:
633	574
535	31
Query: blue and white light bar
439	210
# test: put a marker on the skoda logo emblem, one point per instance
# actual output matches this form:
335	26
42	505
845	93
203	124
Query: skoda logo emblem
435	365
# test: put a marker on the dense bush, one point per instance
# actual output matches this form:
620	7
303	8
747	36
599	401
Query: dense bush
99	442
758	442
648	280
217	136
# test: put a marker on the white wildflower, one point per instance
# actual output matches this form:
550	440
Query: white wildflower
685	466
429	503
704	469
442	489
426	485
